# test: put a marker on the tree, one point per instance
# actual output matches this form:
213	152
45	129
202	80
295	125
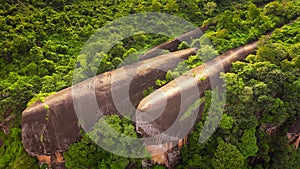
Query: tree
87	154
210	8
272	52
171	6
226	122
252	12
226	20
274	8
227	156
248	145
36	53
156	5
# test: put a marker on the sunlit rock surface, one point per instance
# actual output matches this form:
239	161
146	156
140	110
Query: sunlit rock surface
158	112
51	126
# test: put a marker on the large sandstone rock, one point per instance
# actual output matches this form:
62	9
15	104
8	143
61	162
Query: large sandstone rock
51	126
159	114
168	98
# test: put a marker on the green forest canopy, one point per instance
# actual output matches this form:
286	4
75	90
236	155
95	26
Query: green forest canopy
40	42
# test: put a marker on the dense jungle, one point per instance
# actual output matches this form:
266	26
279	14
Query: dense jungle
41	41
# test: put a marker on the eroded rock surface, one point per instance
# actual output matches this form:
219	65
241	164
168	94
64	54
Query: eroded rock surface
294	134
157	113
51	126
172	93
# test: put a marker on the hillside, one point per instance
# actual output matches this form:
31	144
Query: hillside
43	46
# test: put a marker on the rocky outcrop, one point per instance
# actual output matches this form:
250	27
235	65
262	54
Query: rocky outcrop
294	134
53	161
158	112
166	154
51	126
171	93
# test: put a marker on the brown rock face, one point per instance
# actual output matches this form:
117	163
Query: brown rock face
49	127
167	104
52	126
171	93
54	161
294	134
45	159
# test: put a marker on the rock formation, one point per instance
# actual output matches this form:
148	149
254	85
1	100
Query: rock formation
51	126
157	113
294	134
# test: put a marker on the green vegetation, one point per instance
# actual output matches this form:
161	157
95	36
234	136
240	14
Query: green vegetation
193	107
262	94
227	156
13	154
41	40
149	90
243	25
87	154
